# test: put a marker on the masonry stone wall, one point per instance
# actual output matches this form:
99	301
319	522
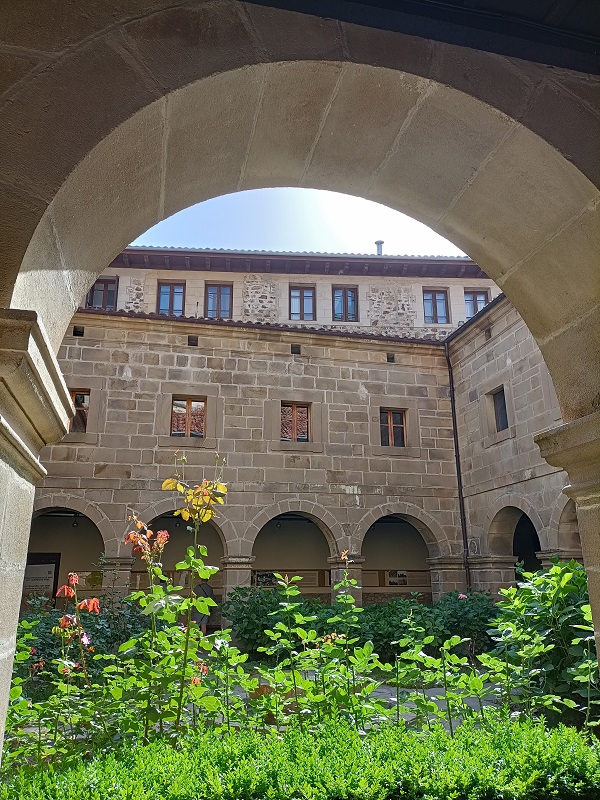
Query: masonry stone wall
344	479
504	471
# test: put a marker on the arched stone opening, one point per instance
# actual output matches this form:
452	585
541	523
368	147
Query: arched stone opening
63	540
526	544
179	540
569	542
293	544
395	561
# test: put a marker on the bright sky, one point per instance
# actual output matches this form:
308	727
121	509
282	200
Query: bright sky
296	220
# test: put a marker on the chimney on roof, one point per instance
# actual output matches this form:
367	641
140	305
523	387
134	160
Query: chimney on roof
379	246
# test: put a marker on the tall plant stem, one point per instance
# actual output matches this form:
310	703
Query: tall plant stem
445	680
188	630
150	682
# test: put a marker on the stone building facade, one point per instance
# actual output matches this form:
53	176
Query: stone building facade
296	502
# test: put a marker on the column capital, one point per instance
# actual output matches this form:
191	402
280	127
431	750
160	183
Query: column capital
575	447
237	562
36	404
354	560
563	554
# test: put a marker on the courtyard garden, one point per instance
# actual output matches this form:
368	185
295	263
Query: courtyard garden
462	700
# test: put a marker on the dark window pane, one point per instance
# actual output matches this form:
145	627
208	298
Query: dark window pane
428	304
81	401
442	314
500	410
164	299
397	418
211	302
177	301
295	304
178	416
352	311
338	304
308	304
385	433
197	418
398	436
97	295
111	298
302	423
225	302
469	306
286	423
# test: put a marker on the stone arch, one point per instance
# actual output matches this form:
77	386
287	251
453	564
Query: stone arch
564	529
501	521
88	509
323	519
223	526
278	99
432	532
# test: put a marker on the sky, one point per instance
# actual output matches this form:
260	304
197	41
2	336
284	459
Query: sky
308	220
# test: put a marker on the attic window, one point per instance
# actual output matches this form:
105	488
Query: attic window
391	358
192	341
296	350
78	330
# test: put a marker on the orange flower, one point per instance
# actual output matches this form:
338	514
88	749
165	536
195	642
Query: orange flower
195	680
90	604
66	590
66	621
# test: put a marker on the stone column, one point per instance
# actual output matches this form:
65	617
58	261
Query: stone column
237	571
338	567
35	407
116	575
447	575
492	573
575	447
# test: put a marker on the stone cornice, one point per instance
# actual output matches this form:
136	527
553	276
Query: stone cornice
35	400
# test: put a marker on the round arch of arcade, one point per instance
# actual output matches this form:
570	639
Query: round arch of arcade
323	519
432	532
278	99
221	525
501	521
87	509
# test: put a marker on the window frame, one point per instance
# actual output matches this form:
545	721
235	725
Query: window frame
345	290
435	320
105	281
475	292
73	393
295	406
302	288
490	435
218	286
171	296
187	434
391	426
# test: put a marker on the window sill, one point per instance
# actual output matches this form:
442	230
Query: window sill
500	436
80	438
396	452
303	447
187	442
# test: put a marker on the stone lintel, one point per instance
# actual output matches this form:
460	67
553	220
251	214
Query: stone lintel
237	562
35	401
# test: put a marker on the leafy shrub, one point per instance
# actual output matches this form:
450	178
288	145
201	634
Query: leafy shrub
251	611
504	761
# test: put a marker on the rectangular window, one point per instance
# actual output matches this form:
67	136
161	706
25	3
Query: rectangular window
81	401
392	427
295	422
435	304
171	299
302	303
187	417
345	304
103	294
218	299
500	414
475	301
